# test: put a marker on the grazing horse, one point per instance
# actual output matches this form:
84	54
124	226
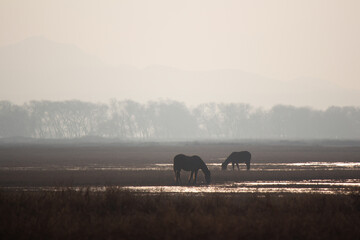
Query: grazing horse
236	158
193	164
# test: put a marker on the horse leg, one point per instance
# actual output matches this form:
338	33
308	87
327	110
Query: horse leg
233	164
178	179
196	172
237	164
191	176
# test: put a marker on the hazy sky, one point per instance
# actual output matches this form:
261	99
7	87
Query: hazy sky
279	39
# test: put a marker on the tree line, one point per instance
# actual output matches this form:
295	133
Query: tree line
171	120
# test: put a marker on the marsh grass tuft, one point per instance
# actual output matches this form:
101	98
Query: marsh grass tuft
119	214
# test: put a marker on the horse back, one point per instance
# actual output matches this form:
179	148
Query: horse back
187	163
240	157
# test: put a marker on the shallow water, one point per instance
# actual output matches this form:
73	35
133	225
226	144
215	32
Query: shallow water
286	166
169	166
313	186
325	186
328	186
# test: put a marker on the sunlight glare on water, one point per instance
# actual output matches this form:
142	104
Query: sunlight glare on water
169	166
313	186
327	186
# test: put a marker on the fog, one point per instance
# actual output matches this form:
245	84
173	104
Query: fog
180	70
173	121
40	69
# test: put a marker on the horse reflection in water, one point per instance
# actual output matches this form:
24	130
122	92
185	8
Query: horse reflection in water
190	163
236	158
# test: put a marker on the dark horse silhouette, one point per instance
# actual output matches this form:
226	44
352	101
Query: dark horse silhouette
193	164
236	158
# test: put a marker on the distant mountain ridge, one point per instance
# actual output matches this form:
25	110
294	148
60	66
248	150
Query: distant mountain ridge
37	68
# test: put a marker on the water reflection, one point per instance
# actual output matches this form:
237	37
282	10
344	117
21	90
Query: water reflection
169	166
306	186
304	166
327	186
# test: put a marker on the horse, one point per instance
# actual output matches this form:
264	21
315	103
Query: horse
190	163
236	158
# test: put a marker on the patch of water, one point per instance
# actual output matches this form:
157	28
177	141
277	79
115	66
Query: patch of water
169	166
307	186
302	166
327	186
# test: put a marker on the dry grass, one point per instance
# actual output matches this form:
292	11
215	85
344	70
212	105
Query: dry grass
118	214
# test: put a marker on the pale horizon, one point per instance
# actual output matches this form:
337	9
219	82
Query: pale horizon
308	48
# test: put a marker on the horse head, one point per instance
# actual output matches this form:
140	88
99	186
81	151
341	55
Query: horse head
207	176
223	166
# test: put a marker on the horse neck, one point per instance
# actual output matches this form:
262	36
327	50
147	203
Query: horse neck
203	167
227	161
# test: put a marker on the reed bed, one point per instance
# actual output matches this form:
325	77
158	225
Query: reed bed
119	214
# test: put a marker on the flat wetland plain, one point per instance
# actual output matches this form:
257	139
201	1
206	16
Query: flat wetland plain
150	164
110	190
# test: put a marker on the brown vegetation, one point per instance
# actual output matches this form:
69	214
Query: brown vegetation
115	214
